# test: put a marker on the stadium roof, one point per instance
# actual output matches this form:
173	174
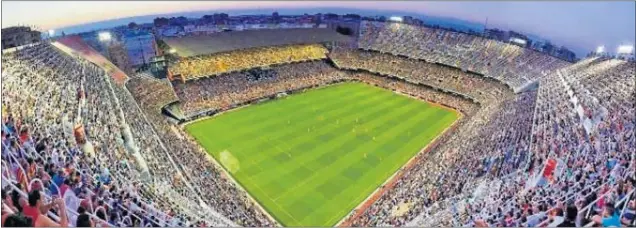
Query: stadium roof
229	41
74	43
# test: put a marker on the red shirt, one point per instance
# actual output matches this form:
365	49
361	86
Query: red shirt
32	212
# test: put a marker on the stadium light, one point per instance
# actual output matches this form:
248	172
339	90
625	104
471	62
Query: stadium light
518	41
104	36
51	32
625	49
395	18
600	49
172	51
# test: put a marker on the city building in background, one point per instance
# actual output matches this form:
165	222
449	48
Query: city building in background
524	41
565	53
18	36
519	39
495	34
625	52
140	40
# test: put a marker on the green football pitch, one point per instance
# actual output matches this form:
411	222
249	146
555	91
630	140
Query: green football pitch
311	158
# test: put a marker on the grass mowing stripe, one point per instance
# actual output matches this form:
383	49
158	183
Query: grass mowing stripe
252	133
345	158
348	118
426	136
266	111
371	148
352	125
333	147
266	114
300	115
307	157
303	125
269	197
256	142
260	134
413	141
296	100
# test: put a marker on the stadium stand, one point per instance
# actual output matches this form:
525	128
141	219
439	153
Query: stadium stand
416	71
220	63
151	92
225	91
600	165
105	180
508	63
206	178
192	46
75	45
553	146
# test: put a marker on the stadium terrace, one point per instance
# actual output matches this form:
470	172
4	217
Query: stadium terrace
399	125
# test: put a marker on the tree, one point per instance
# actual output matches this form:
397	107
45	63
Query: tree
132	25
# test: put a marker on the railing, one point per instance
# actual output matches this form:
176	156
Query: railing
71	212
568	198
8	180
627	198
624	200
24	194
175	165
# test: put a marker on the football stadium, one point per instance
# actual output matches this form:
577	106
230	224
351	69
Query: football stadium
394	125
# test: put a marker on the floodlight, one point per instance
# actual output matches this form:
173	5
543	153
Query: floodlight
625	49
104	36
600	49
395	18
172	51
51	32
518	41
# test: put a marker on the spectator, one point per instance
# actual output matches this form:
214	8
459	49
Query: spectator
35	207
609	217
629	214
480	173
570	217
83	219
16	220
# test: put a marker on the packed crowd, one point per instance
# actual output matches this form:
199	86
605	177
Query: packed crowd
224	91
508	63
433	95
129	166
46	93
594	188
205	178
218	42
151	92
595	143
233	61
168	172
493	142
417	71
503	150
